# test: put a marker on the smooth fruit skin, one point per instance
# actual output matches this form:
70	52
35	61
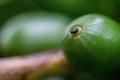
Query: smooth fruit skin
32	32
95	46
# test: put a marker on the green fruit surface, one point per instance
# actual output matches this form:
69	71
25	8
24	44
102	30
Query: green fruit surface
32	32
92	44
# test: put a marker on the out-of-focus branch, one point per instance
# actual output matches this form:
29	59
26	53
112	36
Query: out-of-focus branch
34	67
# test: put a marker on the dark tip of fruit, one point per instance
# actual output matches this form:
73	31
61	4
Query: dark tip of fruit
74	30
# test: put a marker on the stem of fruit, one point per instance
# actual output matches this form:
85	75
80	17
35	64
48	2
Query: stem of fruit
35	67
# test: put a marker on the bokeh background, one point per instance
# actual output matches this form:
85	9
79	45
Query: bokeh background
72	8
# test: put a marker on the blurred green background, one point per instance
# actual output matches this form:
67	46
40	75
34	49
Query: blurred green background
74	8
21	22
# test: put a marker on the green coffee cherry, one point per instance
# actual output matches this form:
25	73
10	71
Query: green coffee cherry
92	44
33	32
